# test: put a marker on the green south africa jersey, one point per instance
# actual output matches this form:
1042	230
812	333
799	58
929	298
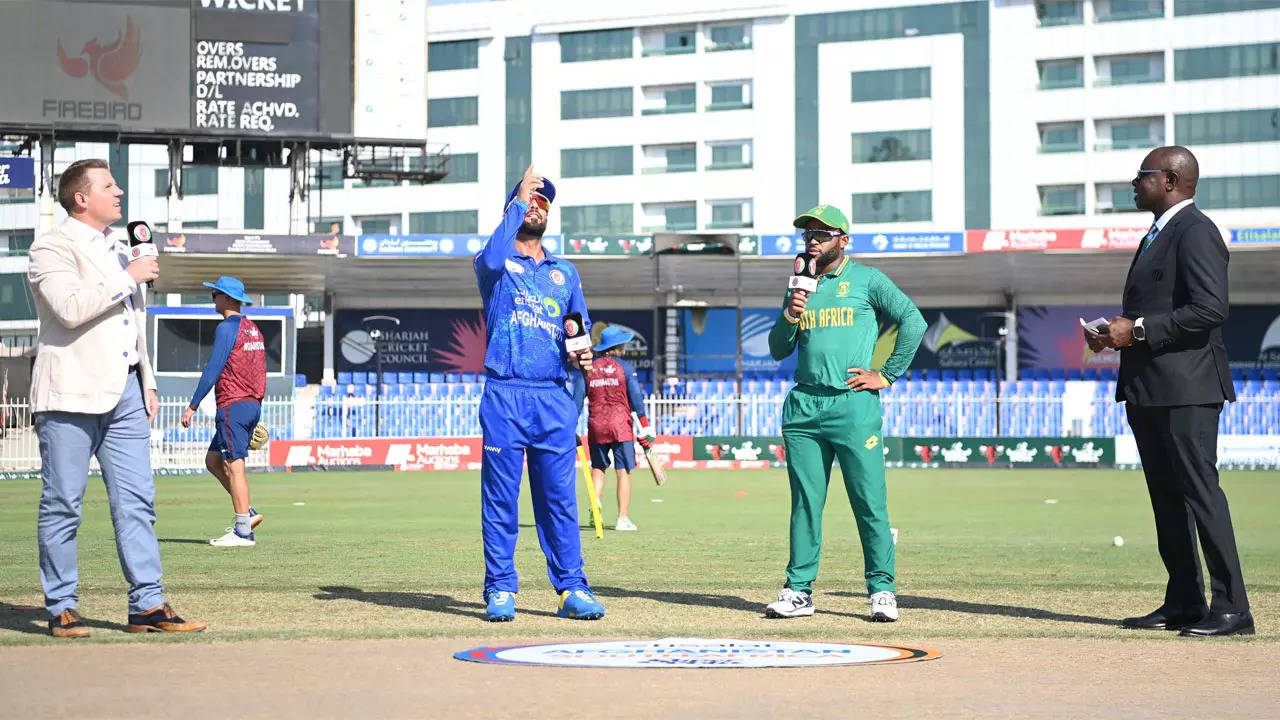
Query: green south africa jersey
840	326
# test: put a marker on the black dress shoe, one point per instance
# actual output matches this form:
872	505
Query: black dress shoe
1221	625
1161	620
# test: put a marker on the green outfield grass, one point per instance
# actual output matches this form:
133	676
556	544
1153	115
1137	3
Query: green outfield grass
981	554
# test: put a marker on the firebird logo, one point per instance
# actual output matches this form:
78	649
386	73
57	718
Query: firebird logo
109	64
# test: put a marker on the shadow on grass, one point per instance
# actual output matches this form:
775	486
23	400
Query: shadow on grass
909	602
19	618
184	541
430	602
723	602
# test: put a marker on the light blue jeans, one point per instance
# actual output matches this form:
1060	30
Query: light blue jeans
121	440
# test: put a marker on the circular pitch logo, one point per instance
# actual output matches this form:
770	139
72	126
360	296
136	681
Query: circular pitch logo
696	653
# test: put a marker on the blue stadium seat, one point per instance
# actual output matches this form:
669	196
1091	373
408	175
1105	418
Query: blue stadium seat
437	377
468	377
1026	374
964	374
1074	374
404	378
344	378
1271	374
948	374
421	377
360	378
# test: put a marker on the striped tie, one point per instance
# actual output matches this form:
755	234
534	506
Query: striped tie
1150	238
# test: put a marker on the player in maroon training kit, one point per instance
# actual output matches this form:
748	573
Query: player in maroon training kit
614	393
239	367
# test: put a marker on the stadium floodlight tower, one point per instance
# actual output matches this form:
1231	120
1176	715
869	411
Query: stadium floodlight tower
695	277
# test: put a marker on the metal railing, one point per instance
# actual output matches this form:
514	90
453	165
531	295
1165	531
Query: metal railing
173	447
905	415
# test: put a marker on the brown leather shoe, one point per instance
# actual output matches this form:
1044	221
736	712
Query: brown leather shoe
68	624
162	618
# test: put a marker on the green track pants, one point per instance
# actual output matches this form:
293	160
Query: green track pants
820	424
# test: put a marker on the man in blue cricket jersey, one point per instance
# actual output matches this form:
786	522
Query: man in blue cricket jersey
527	410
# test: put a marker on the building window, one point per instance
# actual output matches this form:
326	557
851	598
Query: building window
1243	191
378	224
726	214
729	37
1129	133
904	206
596	219
730	96
453	112
447	222
670	158
1205	7
1130	69
1233	126
602	103
1115	198
900	84
1060	12
674	42
200	225
595	45
593	162
730	154
1226	61
1061	199
199	298
453	55
671	99
328	176
670	217
196	180
1114	10
327	226
1057	74
1061	137
463	168
892	146
18	243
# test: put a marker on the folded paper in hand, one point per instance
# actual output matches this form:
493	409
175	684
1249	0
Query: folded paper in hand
1095	326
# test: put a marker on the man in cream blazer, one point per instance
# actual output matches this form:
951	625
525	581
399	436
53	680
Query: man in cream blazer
93	394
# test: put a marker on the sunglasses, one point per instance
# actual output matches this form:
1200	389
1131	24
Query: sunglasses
820	235
1141	173
540	201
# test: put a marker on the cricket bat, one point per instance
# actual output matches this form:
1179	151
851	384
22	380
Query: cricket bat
591	490
654	460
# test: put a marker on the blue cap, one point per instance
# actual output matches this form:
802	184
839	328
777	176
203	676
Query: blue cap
231	287
613	336
547	191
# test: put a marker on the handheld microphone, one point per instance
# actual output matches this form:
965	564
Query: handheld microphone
806	273
576	337
140	242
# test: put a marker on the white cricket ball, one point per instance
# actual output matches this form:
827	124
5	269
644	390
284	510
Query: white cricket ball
1117	541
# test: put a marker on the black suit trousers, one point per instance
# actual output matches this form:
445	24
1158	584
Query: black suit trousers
1179	450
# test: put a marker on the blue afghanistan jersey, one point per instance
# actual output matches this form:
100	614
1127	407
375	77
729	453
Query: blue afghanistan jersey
525	302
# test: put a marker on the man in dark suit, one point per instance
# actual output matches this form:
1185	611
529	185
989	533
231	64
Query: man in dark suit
1174	379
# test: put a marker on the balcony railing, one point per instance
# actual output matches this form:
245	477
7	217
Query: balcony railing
736	105
669	109
1061	84
1132	144
1127	80
1062	210
1063	147
670	227
669	168
1059	20
659	51
722	47
729	166
1131	15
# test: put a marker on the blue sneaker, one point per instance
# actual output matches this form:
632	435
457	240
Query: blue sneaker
579	605
501	606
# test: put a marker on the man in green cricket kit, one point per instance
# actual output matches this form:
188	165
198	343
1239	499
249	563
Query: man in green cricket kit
834	409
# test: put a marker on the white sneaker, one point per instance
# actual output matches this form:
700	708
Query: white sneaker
884	607
624	523
231	539
791	603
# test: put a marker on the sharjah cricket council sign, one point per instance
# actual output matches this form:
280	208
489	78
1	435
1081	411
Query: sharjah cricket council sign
695	653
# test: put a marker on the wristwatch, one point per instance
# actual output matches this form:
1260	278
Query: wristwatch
1139	332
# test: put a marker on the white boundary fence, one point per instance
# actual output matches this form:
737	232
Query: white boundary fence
179	449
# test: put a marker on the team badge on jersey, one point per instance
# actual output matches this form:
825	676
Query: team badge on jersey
557	277
843	289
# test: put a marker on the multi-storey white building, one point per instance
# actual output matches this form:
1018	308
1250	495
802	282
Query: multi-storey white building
693	115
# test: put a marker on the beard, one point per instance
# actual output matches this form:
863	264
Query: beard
829	257
533	229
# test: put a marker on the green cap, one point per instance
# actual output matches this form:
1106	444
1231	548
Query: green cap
828	215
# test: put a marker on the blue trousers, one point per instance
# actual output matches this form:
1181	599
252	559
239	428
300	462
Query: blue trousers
534	419
121	440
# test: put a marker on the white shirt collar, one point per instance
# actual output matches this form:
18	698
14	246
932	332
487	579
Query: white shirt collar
1168	214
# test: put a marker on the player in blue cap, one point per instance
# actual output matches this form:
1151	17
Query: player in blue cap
527	411
615	393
